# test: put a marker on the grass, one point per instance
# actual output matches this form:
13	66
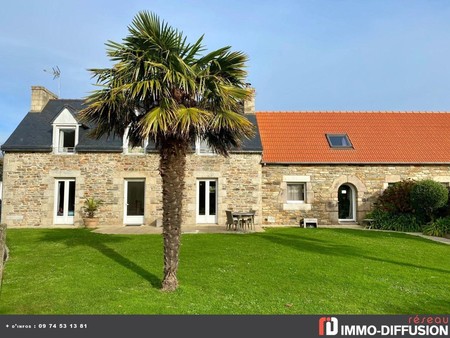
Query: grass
281	271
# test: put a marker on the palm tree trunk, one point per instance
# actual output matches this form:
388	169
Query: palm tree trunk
172	169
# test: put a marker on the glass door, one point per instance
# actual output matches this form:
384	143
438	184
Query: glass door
64	201
134	202
207	201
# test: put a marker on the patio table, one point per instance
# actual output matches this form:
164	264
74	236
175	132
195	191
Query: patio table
244	217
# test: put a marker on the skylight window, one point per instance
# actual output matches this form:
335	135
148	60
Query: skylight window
339	141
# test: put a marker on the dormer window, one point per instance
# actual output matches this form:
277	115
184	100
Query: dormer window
202	148
66	140
65	133
128	149
339	141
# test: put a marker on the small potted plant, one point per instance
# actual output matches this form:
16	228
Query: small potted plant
91	206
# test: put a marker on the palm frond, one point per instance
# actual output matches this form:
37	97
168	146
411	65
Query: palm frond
227	130
158	121
193	121
232	121
160	86
107	112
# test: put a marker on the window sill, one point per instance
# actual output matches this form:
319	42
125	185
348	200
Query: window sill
206	154
296	206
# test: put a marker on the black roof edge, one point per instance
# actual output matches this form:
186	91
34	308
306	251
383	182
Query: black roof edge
98	150
13	149
85	151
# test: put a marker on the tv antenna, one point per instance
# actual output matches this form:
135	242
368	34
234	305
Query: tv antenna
56	75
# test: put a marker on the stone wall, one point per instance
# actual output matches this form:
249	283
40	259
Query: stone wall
242	184
239	183
30	179
322	184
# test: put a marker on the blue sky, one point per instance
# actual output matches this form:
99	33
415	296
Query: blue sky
304	54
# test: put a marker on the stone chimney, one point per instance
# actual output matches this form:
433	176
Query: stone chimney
249	104
39	98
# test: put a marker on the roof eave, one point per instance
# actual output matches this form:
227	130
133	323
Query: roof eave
18	149
99	150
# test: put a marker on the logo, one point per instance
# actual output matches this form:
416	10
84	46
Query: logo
415	326
328	326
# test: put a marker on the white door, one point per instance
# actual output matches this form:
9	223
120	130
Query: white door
134	202
64	201
207	201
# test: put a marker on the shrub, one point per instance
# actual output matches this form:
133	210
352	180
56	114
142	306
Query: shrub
408	205
397	222
439	227
397	198
427	197
445	210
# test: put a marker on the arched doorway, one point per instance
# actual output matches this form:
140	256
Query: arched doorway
347	203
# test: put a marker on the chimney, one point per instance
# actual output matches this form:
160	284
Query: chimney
249	104
39	98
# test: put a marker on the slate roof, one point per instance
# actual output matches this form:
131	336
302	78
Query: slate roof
253	144
34	133
377	137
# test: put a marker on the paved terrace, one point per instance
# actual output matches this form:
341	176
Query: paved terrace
188	229
195	229
214	228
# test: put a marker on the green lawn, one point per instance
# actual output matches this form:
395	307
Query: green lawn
280	271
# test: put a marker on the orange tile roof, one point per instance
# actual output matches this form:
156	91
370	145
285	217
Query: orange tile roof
377	137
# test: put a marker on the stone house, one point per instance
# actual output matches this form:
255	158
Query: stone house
52	165
325	165
333	165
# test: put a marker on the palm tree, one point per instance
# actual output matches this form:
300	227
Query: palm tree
163	90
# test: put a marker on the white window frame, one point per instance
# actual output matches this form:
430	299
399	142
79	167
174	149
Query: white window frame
133	219
62	137
128	150
290	184
308	196
207	218
64	121
58	140
65	218
202	148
